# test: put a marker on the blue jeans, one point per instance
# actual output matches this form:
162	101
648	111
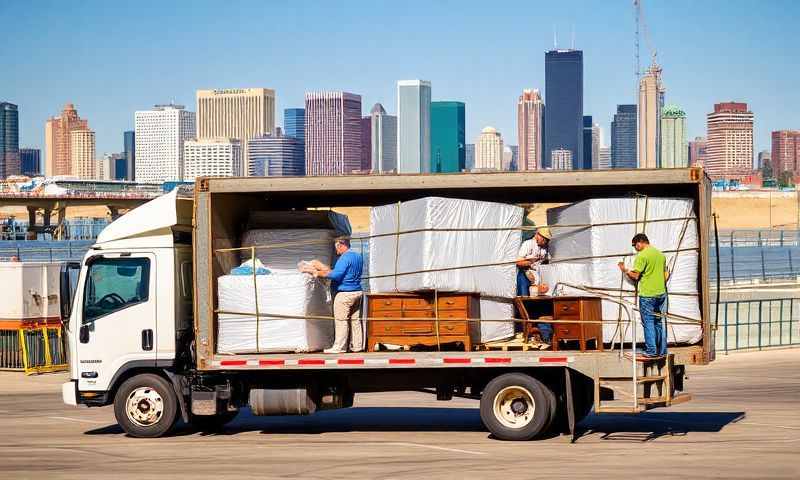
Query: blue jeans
655	335
523	290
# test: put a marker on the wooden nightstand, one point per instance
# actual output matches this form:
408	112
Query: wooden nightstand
561	309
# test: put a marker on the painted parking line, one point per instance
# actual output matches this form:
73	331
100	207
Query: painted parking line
433	447
79	420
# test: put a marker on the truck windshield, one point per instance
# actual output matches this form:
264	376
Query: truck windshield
114	284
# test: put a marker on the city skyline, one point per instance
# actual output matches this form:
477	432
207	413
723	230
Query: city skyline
608	55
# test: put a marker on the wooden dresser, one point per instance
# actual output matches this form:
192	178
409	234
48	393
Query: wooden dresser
402	318
559	310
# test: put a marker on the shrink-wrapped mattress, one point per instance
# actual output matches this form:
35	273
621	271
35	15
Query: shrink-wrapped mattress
587	253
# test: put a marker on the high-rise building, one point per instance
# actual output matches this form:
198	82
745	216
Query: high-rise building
129	151
413	126
588	143
697	152
623	137
57	137
786	151
764	158
514	164
651	94
9	140
277	155
82	154
366	144
674	150
212	157
239	113
604	158
119	165
159	137
564	98
30	161
106	168
597	141
530	130
333	133
489	150
384	140
447	137
469	156
561	159
730	140
294	123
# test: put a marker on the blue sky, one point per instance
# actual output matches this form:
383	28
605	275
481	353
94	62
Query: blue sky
112	58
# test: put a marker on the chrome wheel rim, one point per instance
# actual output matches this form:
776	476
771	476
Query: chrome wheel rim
514	407
144	406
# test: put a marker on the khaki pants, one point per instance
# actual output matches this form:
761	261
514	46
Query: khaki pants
347	315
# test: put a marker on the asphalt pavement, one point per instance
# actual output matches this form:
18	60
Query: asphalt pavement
743	422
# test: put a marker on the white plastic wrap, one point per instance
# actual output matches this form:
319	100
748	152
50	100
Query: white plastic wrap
676	238
292	246
280	292
430	250
494	309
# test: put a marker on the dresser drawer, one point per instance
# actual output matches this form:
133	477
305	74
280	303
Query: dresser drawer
567	330
386	314
452	328
567	309
379	328
385	303
418	303
453	302
418	313
455	314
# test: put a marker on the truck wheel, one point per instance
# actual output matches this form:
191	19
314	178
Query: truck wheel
211	423
145	406
515	406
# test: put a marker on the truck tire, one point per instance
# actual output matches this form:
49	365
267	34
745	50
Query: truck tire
145	406
211	423
515	406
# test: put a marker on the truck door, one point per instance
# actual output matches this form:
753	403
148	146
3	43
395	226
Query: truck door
118	318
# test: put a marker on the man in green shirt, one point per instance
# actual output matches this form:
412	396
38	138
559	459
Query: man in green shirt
650	271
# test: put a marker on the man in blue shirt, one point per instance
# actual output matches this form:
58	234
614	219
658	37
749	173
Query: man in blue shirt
346	279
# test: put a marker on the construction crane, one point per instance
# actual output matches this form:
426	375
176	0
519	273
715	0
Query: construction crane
641	29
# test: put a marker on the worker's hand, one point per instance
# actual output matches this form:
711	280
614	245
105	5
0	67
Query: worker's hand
621	266
523	262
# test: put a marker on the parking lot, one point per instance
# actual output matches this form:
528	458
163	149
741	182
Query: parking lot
742	423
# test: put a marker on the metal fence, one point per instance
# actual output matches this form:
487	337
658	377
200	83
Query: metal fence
43	251
765	255
757	324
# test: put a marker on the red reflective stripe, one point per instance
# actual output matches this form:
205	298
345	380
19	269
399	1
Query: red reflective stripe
350	361
233	363
265	363
311	361
497	360
402	361
552	359
457	360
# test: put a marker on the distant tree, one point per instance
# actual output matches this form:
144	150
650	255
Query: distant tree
785	179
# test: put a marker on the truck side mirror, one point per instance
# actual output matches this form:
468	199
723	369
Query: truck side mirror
68	278
83	334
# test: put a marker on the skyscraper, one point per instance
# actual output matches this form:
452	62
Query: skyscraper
9	140
562	159
674	151
294	123
413	126
469	156
333	133
530	130
730	140
30	161
366	144
604	161
623	137
57	137
489	150
130	155
447	137
82	154
764	158
786	151
119	165
277	155
212	157
587	160
239	113
651	94
384	140
697	152
597	141
564	98
160	134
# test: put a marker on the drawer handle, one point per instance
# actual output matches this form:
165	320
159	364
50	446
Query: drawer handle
449	327
564	308
450	302
387	302
387	329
